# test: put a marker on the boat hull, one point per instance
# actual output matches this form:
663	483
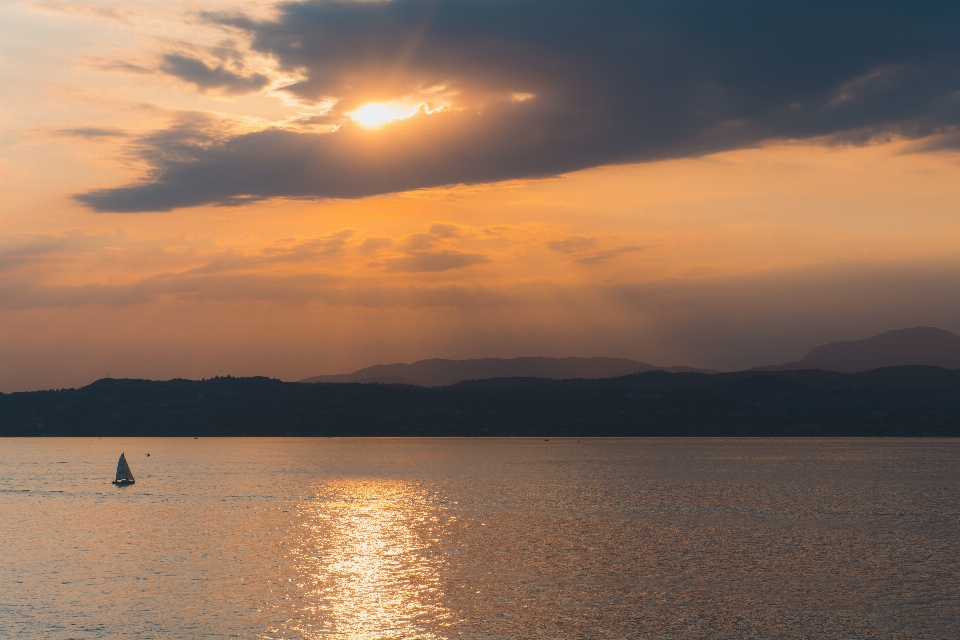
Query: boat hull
121	483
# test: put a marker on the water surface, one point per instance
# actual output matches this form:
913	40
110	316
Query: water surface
480	538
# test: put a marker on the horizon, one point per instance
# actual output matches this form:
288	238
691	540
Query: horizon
874	361
302	189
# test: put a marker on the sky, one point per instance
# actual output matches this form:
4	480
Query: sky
292	189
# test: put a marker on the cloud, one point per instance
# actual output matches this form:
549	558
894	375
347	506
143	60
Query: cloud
948	141
579	244
443	260
444	230
603	256
423	256
572	244
91	132
602	81
373	243
419	241
281	252
122	66
24	256
29	249
322	246
197	72
435	233
86	9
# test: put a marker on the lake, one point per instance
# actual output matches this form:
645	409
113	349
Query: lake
480	538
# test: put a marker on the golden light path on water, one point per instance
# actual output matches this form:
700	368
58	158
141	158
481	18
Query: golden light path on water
363	558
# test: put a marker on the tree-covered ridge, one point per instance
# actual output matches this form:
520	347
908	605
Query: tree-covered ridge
895	401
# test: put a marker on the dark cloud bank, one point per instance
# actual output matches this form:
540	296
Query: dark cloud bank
612	82
204	77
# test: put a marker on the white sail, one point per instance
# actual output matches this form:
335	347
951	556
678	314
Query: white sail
123	469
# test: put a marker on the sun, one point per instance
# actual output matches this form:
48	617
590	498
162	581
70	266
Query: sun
377	114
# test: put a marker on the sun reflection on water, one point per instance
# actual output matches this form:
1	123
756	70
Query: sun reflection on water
365	567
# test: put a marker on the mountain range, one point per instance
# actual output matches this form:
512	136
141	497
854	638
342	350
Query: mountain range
439	372
904	347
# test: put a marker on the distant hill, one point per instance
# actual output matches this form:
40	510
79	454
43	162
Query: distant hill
894	401
904	347
439	372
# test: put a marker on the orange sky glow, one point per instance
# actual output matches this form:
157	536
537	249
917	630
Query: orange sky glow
726	258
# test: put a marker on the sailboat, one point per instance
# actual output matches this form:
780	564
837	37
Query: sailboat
124	475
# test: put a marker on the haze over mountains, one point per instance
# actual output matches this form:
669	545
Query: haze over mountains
438	372
917	346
